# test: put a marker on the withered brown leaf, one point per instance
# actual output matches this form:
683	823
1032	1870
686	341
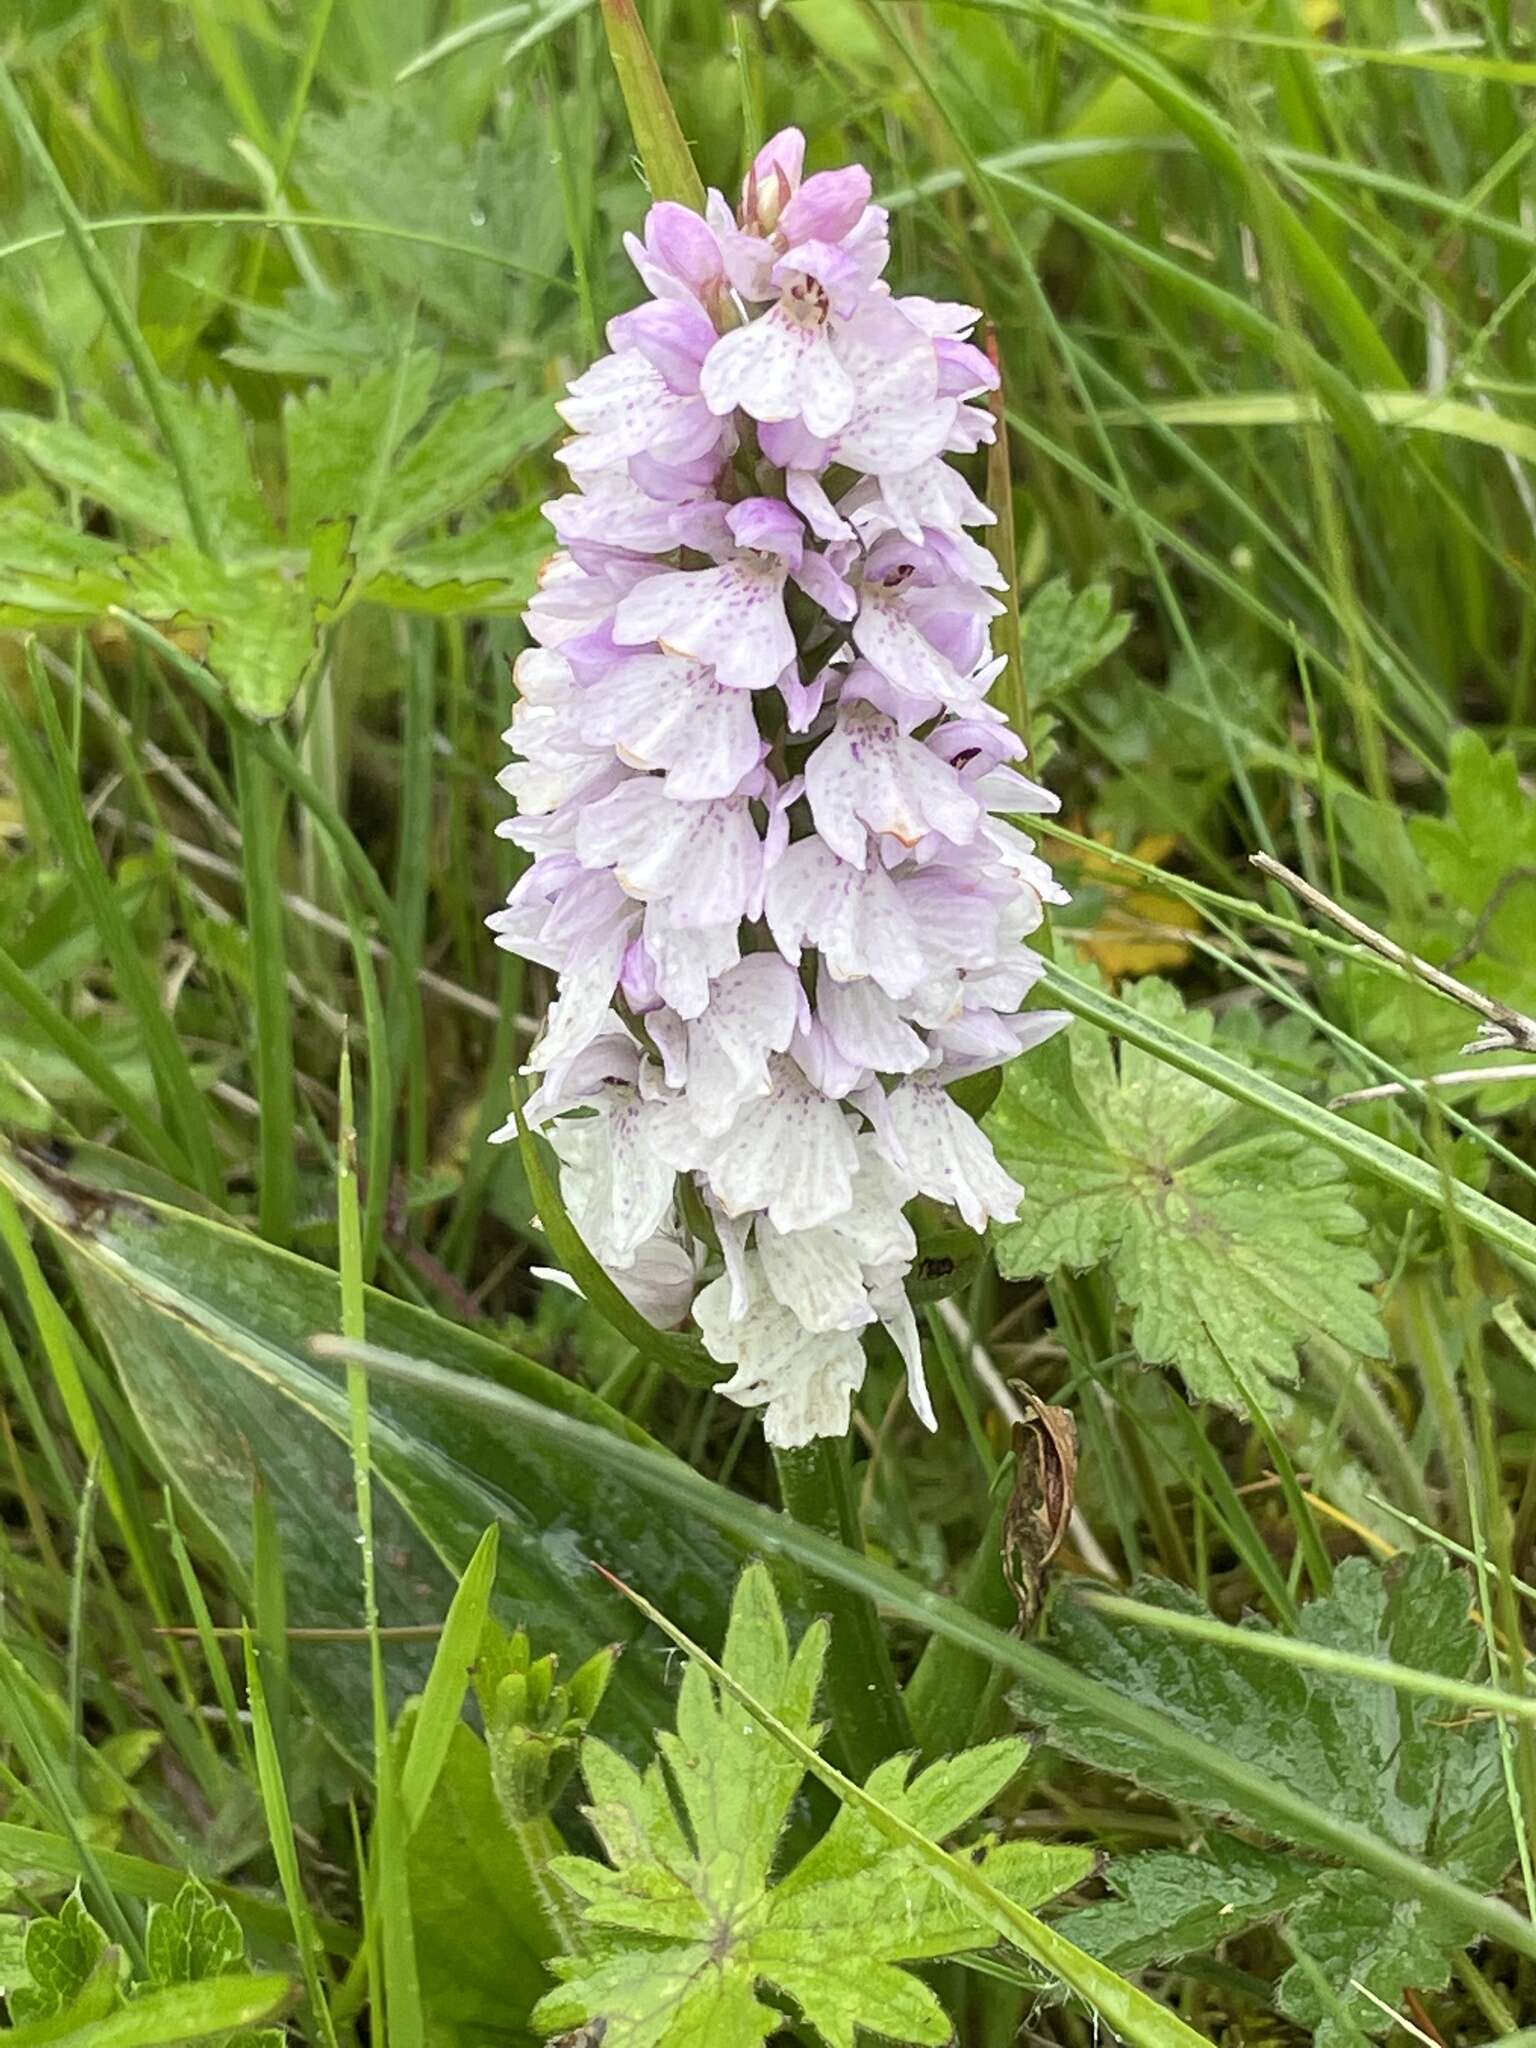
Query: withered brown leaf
1040	1508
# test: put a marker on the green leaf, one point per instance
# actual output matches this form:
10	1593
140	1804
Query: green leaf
1230	1245
686	1921
1176	1902
1361	1939
218	430
336	435
195	1936
441	1706
492	567
384	160
51	576
106	461
481	1935
262	630
1183	1052
61	1953
1393	1762
181	2013
1480	858
1066	635
470	444
211	1331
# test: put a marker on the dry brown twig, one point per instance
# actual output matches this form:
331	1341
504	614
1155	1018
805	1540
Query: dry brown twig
1504	1027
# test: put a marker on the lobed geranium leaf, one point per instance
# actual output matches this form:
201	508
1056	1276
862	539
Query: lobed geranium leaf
196	1935
688	1923
262	629
1066	634
1176	1902
1395	1763
359	480
61	1953
1230	1245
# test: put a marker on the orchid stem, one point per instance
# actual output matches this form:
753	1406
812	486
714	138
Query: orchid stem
869	1719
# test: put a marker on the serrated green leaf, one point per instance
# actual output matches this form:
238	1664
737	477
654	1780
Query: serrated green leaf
490	567
262	630
382	159
1066	634
1176	1902
107	461
195	1936
333	435
685	1919
52	576
1230	1246
471	443
1395	1763
1362	1939
61	1953
220	435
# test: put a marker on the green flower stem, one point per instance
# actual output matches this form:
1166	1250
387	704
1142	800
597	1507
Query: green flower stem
869	1719
943	1693
540	1841
262	803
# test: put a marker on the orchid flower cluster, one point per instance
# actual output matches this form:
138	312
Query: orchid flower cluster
767	800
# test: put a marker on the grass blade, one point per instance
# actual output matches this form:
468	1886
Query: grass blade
668	161
285	1850
442	1700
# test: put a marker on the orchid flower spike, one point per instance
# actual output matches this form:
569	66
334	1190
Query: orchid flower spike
768	803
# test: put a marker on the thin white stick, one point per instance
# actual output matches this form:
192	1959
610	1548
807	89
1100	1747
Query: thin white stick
1520	1070
1514	1027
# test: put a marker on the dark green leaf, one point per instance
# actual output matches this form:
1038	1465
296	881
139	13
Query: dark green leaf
1394	1763
211	1332
1176	1902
